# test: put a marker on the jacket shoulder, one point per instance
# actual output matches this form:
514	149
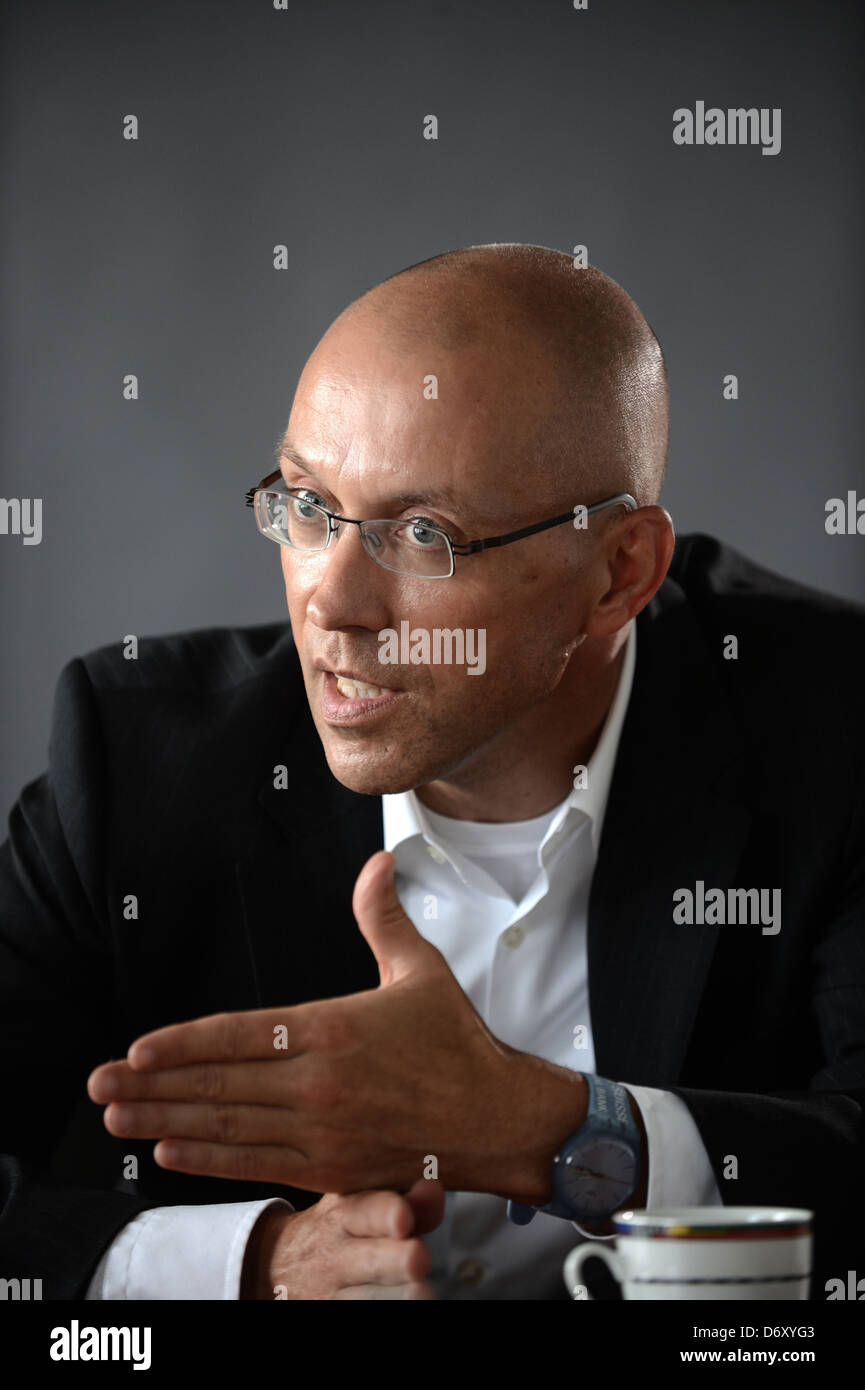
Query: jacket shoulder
204	659
796	646
716	576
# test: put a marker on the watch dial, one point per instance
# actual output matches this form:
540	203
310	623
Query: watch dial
600	1177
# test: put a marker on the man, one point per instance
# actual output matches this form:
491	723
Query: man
604	751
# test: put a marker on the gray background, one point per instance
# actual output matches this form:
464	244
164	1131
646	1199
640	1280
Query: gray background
304	127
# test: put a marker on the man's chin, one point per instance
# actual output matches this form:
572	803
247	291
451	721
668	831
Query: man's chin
371	781
367	773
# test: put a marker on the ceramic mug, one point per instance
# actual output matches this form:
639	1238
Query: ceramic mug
703	1253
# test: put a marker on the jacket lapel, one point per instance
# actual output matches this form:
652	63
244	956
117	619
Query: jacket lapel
672	818
303	941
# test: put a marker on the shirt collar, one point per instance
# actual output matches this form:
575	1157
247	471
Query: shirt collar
403	812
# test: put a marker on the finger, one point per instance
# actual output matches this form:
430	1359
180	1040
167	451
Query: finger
269	1163
381	1260
227	1037
372	883
375	1213
413	1291
220	1124
427	1201
259	1082
394	940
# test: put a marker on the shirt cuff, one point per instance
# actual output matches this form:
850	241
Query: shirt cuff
179	1253
680	1174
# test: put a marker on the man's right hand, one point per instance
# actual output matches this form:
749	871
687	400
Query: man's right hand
359	1245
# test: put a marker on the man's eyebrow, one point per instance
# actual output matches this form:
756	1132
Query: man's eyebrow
433	496
286	450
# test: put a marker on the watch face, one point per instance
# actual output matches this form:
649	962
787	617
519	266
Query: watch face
599	1177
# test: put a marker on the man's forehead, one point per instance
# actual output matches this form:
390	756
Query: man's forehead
483	501
405	495
474	421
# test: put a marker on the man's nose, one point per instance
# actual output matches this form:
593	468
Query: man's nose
350	589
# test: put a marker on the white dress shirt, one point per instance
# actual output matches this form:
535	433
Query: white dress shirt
506	904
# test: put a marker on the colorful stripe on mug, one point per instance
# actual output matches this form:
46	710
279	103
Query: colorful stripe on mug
772	1230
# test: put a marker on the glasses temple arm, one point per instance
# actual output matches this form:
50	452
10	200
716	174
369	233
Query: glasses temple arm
249	495
621	499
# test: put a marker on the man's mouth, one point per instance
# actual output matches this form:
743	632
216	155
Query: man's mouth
346	698
351	685
354	689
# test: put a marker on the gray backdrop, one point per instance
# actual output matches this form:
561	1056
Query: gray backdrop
303	126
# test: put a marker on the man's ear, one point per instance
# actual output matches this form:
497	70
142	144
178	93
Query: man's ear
642	547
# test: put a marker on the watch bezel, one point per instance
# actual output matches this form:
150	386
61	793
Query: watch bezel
571	1189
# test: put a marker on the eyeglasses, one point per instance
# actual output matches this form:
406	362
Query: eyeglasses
413	547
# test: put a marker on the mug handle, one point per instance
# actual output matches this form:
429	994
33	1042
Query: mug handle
592	1249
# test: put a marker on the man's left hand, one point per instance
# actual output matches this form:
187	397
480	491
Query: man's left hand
355	1092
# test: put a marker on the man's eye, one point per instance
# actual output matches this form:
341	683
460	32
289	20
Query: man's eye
301	507
422	533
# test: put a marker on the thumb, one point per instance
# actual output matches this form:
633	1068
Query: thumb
427	1201
391	935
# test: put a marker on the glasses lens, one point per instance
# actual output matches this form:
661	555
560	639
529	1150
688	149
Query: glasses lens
292	520
408	547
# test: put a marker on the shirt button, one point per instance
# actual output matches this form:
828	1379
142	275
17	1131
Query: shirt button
436	854
470	1271
513	937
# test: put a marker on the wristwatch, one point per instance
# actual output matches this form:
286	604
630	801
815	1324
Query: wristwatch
598	1168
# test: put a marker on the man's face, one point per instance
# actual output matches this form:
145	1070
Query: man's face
361	420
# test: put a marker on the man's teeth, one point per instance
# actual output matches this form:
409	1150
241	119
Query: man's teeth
359	690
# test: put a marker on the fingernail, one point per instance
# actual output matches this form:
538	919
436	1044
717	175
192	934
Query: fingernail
141	1056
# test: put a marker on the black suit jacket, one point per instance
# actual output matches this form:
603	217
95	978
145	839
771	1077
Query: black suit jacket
742	773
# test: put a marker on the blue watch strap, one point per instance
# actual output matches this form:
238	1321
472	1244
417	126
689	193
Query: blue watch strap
606	1113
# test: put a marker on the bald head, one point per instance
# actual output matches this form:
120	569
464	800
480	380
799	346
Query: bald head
484	392
569	340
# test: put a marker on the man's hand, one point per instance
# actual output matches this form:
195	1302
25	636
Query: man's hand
351	1093
362	1246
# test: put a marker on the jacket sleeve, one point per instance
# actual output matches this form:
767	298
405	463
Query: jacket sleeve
807	1148
56	1005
